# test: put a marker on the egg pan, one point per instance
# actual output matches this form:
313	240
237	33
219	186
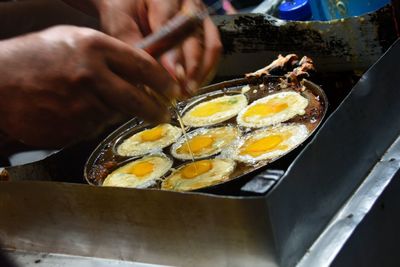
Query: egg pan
104	158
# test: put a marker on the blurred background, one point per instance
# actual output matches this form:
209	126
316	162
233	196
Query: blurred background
299	9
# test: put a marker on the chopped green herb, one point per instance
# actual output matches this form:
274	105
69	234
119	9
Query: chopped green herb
232	101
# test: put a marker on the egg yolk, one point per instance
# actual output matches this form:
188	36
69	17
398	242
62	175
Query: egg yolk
210	109
265	109
195	169
141	169
196	144
152	134
261	146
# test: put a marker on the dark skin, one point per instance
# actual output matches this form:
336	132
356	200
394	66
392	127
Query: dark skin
70	82
132	20
76	80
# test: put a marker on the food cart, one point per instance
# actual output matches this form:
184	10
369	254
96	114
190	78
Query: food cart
313	209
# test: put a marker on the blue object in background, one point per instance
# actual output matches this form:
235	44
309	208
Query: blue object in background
336	9
317	8
327	9
295	10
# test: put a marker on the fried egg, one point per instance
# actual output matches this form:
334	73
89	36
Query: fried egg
199	174
269	143
141	173
272	109
204	142
149	140
215	111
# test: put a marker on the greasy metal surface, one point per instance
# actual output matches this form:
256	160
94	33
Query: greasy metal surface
375	240
29	259
104	152
339	230
263	182
341	155
149	226
251	40
66	165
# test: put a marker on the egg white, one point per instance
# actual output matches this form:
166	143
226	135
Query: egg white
296	106
238	102
220	171
119	178
223	137
298	133
135	146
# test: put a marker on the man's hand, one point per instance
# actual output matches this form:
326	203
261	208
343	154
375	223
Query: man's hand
132	20
68	82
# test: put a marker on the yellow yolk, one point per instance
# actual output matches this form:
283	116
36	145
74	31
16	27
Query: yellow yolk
261	146
265	109
195	169
141	169
196	144
152	134
210	109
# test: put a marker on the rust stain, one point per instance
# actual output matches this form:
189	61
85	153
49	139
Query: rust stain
4	176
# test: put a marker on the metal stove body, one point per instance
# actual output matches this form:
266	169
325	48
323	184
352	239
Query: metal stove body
356	145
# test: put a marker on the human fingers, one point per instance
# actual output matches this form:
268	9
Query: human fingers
171	59
137	67
212	50
174	63
202	50
160	13
128	99
193	55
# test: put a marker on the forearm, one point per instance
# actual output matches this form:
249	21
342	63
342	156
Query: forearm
32	15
